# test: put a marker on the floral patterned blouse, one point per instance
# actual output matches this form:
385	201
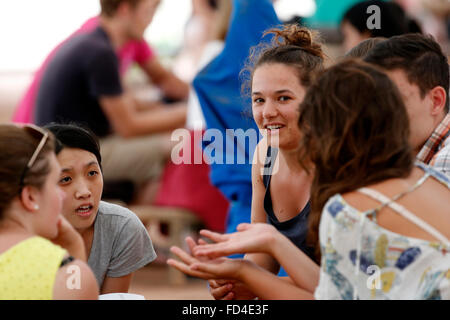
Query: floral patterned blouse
361	260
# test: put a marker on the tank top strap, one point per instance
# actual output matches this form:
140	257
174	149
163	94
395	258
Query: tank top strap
269	163
371	193
404	213
385	201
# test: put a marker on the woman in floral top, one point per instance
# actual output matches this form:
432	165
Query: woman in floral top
384	221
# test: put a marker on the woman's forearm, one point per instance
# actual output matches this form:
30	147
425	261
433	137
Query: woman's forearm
264	260
268	286
303	271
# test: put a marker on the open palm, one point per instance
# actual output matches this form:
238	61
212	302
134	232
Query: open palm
250	238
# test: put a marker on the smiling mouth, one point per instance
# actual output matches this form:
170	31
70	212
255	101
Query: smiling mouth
273	127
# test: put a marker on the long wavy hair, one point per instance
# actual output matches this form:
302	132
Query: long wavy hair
355	133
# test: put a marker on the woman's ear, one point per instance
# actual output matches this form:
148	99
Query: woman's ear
29	198
438	98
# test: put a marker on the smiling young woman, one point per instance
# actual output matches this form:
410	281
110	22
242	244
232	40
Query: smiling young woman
280	74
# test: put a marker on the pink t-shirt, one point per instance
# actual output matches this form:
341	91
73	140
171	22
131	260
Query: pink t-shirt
132	51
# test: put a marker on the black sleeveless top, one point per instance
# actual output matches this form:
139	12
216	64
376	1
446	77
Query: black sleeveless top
294	229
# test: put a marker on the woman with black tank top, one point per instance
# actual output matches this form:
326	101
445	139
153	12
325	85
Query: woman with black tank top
280	76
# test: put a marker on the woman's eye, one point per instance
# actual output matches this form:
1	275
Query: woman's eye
284	98
65	180
258	100
92	173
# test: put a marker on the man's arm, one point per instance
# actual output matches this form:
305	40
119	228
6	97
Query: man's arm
120	108
128	122
169	83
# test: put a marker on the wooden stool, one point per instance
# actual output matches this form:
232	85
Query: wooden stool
180	222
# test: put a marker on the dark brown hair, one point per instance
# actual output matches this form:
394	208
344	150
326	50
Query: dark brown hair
363	48
419	56
17	146
394	20
355	133
109	7
292	45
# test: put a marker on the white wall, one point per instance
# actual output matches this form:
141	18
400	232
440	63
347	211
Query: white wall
30	29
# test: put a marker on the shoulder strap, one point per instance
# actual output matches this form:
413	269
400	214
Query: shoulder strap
371	193
404	212
269	162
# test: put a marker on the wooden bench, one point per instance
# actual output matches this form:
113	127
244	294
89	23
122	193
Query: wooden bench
180	223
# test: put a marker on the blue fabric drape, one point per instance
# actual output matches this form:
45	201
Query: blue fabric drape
219	92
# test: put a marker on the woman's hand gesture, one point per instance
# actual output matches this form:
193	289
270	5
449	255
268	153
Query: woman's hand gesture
250	238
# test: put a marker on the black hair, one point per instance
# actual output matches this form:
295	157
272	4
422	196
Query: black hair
394	20
73	135
213	4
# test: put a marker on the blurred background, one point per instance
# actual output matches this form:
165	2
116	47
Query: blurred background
30	29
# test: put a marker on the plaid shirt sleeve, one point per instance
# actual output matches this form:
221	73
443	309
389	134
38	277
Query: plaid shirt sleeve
441	160
436	150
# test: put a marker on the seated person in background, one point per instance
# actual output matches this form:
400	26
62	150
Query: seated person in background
197	33
31	266
363	48
137	51
377	210
82	84
392	21
212	48
419	68
116	241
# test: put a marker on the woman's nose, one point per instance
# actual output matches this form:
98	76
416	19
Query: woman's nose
82	191
270	110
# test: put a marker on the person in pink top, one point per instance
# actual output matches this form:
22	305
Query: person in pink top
133	51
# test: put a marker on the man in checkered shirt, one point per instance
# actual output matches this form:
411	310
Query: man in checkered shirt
417	65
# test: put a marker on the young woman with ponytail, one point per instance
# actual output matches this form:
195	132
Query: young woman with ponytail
280	73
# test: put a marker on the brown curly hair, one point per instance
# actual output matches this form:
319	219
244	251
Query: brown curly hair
292	45
355	133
